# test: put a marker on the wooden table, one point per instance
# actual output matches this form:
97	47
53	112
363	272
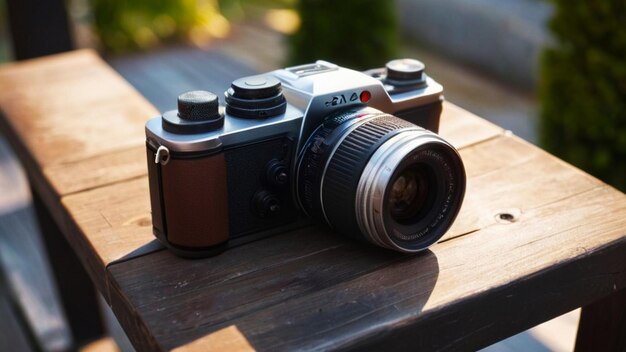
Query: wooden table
535	238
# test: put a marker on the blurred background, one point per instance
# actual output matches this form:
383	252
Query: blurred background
552	72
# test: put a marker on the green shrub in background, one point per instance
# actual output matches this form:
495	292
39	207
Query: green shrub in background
123	25
355	33
583	88
4	35
252	9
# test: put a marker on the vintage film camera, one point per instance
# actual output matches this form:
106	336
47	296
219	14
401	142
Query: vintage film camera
316	142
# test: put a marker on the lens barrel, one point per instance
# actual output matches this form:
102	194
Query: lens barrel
379	178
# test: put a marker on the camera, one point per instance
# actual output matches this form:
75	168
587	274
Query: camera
315	143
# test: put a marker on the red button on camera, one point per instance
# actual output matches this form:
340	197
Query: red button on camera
365	96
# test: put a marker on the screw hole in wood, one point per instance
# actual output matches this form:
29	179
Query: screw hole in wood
508	216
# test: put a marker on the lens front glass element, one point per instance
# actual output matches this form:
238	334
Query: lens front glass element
411	193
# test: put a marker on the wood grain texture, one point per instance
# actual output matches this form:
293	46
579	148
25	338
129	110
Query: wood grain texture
486	280
462	128
75	124
509	176
98	171
110	223
72	107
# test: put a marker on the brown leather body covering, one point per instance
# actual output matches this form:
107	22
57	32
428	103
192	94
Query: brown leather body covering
195	199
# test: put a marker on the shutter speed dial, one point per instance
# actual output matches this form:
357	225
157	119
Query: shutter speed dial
255	97
405	72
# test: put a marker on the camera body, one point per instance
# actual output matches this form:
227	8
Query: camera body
224	175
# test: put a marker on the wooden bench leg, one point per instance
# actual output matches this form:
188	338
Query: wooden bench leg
76	291
602	325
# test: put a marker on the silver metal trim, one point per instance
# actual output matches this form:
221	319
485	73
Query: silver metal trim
307	98
162	156
234	131
370	195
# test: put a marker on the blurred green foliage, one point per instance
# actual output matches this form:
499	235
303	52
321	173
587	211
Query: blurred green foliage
4	35
358	34
124	25
583	88
236	10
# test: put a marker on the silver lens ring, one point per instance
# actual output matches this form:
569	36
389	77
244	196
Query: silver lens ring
370	195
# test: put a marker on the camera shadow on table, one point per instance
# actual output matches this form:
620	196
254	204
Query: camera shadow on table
304	289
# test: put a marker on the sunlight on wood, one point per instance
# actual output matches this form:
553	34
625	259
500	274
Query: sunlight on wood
105	344
227	339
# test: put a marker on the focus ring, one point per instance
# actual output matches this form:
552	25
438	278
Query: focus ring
346	165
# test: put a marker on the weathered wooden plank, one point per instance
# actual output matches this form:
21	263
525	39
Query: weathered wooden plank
527	179
375	304
72	107
515	280
65	109
304	296
462	128
98	171
77	109
109	223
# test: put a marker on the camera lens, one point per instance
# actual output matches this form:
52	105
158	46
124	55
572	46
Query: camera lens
409	193
376	177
